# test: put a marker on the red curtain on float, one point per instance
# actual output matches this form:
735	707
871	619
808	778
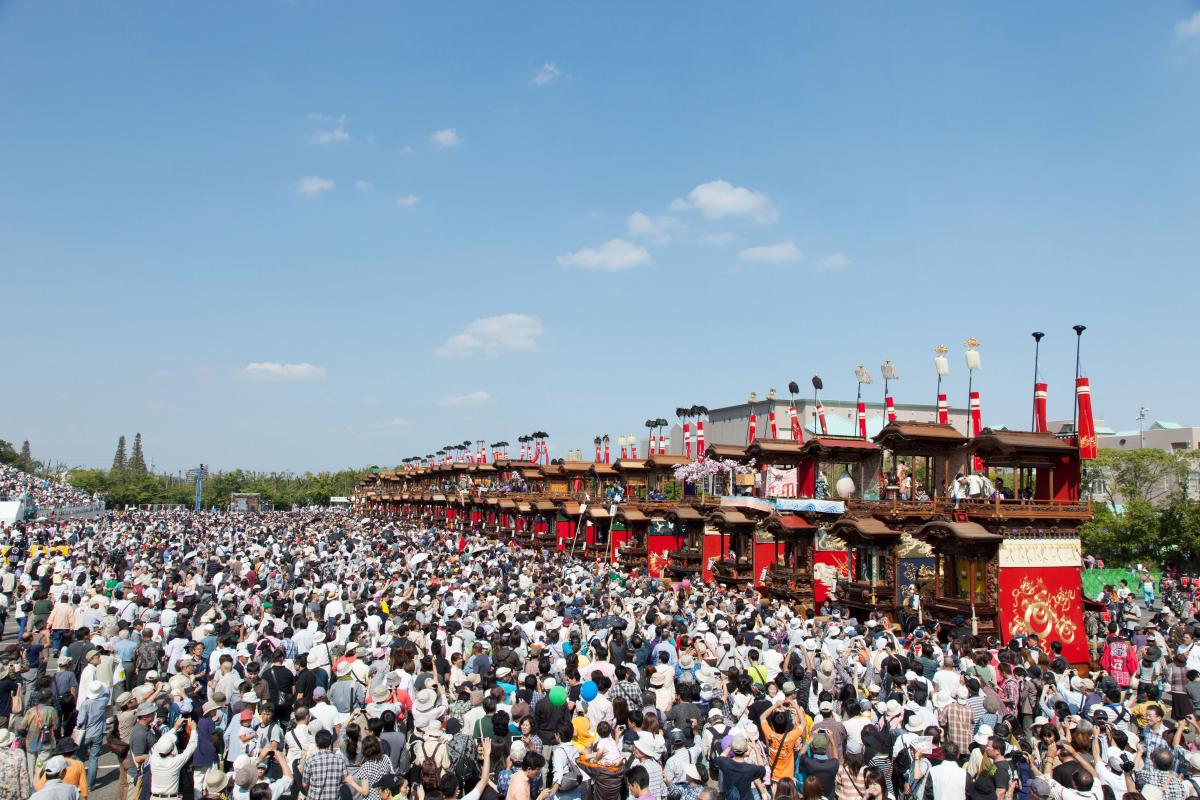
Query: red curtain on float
657	547
839	560
1047	601
1087	425
616	539
764	557
711	552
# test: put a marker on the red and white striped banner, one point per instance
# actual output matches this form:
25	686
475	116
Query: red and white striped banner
1040	423
771	421
699	440
687	440
821	419
891	408
862	420
752	432
1087	425
794	421
943	410
976	425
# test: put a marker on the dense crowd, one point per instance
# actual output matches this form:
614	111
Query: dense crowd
38	493
314	654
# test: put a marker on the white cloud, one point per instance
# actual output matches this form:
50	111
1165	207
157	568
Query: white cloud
548	73
274	371
719	239
312	185
445	139
614	255
782	253
334	135
406	150
834	261
407	200
656	229
468	400
717	199
395	422
1188	29
492	335
363	186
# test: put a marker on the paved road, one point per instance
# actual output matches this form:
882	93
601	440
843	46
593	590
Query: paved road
106	779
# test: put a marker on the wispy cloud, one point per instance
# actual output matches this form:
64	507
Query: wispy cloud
718	239
468	400
407	200
547	74
493	335
445	139
277	372
834	261
720	198
363	186
612	256
782	253
335	135
395	422
1188	29
656	229
312	185
406	150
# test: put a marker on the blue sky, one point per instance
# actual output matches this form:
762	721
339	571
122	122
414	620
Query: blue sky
315	234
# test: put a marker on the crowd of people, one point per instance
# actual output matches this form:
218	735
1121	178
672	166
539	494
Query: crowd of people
314	654
38	493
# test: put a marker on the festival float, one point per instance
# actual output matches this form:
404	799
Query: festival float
982	527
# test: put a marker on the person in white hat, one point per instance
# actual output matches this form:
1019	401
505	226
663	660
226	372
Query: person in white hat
167	760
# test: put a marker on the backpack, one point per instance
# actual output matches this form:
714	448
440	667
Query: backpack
714	751
40	732
463	763
430	773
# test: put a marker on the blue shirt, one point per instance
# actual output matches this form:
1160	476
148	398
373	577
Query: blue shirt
206	751
92	718
124	648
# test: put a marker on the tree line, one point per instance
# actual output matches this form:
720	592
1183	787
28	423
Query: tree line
129	482
1146	508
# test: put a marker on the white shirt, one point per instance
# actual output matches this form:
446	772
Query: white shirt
949	781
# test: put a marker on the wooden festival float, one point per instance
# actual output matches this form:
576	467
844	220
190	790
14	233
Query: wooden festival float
875	519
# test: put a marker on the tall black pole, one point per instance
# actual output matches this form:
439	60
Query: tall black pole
1079	329
1037	346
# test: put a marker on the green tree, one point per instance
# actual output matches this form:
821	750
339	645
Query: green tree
88	480
1155	476
119	462
9	455
27	462
137	461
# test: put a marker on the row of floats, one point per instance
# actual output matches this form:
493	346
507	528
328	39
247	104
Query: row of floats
1004	562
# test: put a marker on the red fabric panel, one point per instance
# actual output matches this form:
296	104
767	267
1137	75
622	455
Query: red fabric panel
657	548
711	551
840	560
1047	601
